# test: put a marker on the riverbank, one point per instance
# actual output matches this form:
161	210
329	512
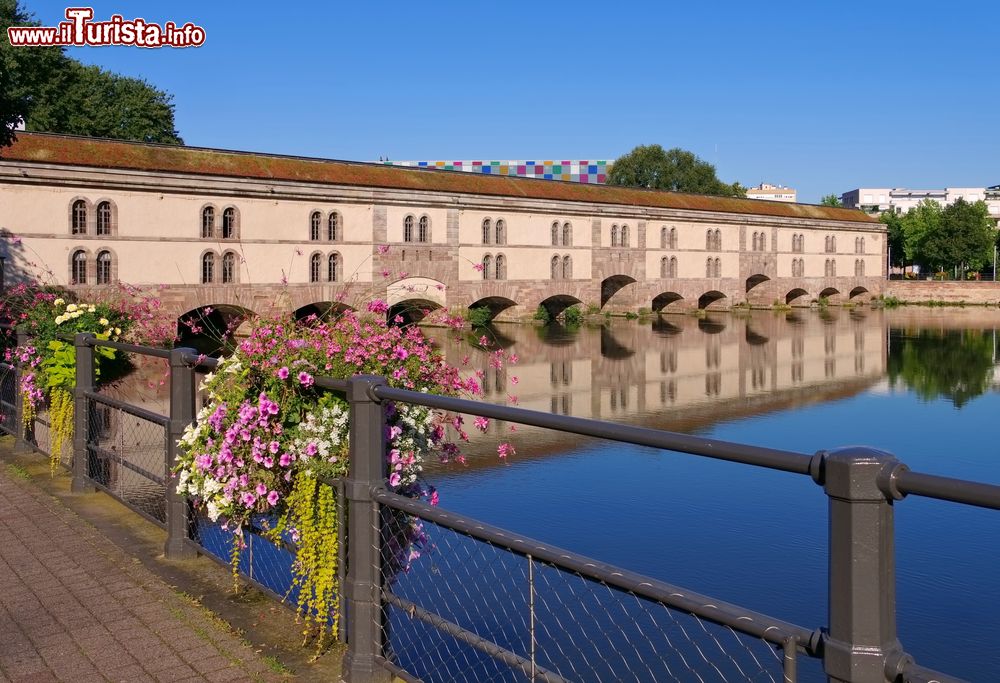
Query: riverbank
932	291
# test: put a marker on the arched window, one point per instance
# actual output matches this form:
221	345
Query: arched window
333	227
208	268
79	220
314	222
228	268
501	264
709	240
333	268
555	268
104	267
104	218
567	235
718	267
555	233
229	223
624	235
718	240
709	267
487	267
408	229
673	238
663	237
567	267
315	263
763	242
208	222
424	229
501	233
78	268
614	235
754	248
859	267
663	265
672	270
487	231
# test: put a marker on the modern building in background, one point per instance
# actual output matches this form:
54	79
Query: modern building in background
901	199
577	171
773	193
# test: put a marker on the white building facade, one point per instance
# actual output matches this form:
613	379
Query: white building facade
901	199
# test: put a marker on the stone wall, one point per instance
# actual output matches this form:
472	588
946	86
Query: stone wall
916	291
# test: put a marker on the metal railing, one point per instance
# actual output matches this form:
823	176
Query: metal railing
489	604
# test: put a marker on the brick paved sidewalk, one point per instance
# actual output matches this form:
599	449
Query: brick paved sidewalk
74	607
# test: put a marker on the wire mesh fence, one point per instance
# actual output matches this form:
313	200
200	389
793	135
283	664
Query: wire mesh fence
462	609
125	456
8	398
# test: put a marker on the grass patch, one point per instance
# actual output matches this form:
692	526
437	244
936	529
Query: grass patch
15	470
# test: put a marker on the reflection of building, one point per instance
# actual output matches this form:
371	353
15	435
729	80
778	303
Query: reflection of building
684	373
774	193
901	200
577	171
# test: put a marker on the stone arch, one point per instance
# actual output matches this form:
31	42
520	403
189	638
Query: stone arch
754	280
663	300
796	294
830	293
711	299
422	288
207	327
496	304
558	303
323	310
412	310
610	286
858	291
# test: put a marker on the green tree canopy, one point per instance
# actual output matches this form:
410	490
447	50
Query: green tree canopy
53	93
678	170
831	200
918	223
965	239
894	227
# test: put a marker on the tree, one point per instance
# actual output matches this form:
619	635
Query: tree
678	170
964	239
831	200
955	365
53	93
918	223
894	229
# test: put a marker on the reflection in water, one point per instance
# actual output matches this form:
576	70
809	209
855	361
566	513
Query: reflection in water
956	365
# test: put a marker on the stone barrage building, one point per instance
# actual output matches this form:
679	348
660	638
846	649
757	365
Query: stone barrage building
246	232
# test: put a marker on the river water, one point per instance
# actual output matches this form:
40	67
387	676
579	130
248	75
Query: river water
918	382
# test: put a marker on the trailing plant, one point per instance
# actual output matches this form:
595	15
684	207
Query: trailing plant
542	315
573	315
263	448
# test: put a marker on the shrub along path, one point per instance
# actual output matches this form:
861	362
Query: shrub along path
75	607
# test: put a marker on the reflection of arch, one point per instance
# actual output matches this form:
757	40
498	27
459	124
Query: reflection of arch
612	348
755	338
496	304
323	310
558	303
665	328
612	285
857	291
795	319
711	325
795	294
709	298
755	280
661	301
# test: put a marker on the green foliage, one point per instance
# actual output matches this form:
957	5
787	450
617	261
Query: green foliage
573	316
955	365
629	315
965	237
593	309
542	315
894	228
891	302
652	167
831	200
481	316
918	224
54	93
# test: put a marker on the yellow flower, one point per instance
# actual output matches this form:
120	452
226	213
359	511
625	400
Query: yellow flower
104	321
58	302
71	308
91	308
76	314
118	330
60	319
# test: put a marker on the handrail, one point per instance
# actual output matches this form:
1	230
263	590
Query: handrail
155	351
936	486
134	410
718	612
786	461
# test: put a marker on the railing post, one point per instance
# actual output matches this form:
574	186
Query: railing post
182	412
81	412
861	645
365	615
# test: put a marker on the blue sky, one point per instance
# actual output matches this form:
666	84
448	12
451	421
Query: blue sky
823	97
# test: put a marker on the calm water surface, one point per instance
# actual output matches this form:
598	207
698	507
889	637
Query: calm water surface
918	382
